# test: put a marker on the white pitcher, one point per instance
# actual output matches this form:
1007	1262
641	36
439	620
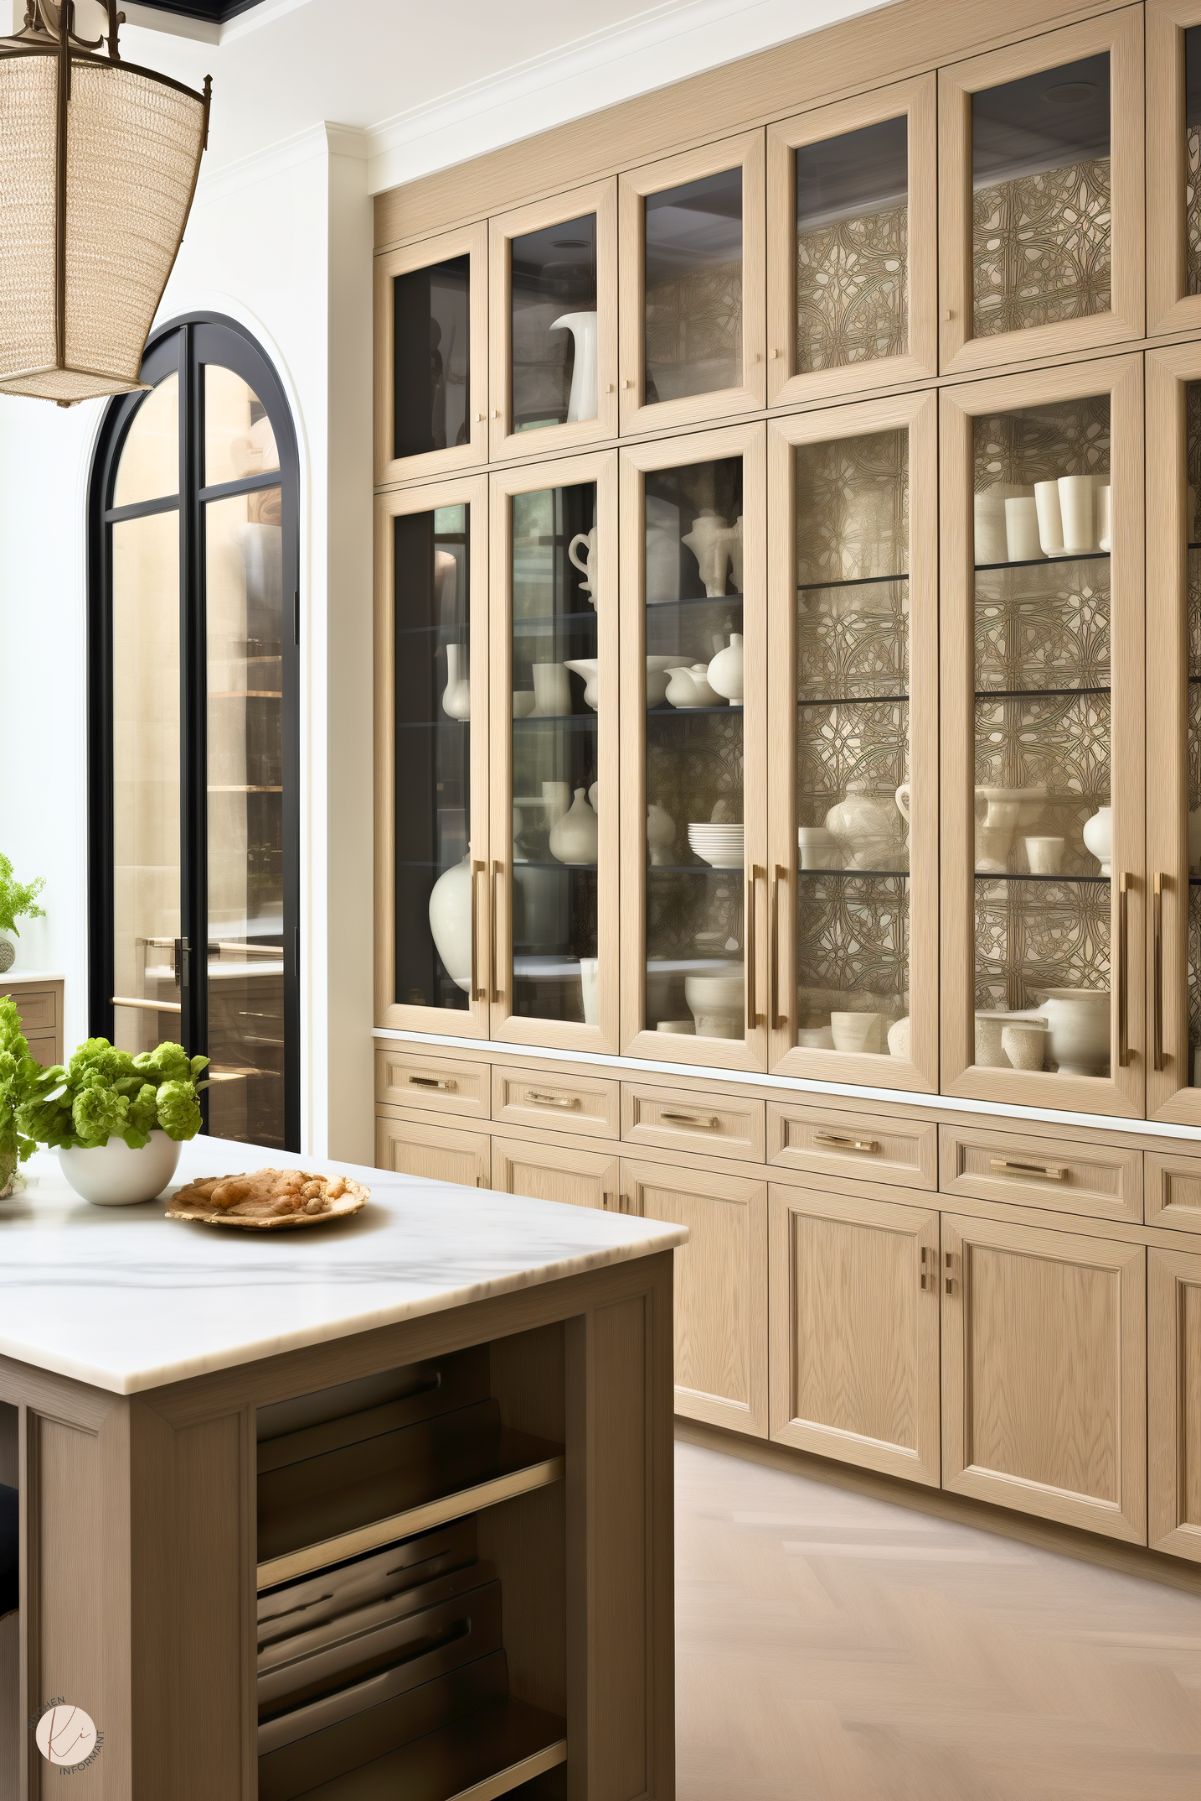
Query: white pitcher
582	401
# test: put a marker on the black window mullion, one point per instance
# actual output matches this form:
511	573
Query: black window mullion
193	703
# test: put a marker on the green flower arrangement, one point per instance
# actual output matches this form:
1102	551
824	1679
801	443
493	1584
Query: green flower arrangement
105	1093
18	900
18	1073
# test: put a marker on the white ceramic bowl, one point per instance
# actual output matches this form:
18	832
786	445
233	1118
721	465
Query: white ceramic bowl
115	1176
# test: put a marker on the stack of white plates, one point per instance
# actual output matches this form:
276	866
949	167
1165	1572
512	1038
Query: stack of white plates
720	845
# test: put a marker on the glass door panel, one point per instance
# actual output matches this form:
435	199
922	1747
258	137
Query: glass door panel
693	747
854	810
692	286
554	370
1173	165
431	325
1052	633
1042	169
432	771
852	244
554	806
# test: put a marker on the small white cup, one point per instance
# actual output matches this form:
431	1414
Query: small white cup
1021	529
1044	856
857	1031
817	847
682	1028
1050	521
1078	513
1025	1044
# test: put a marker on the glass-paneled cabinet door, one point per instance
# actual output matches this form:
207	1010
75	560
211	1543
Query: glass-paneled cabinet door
1173	165
431	329
431	768
692	286
694	749
852	245
853	659
1174	734
553	359
1041	195
1041	652
554	763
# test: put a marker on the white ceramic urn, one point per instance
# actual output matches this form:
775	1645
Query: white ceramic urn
450	921
868	824
573	838
1098	836
725	672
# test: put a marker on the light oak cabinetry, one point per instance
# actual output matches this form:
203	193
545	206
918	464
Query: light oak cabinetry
1174	1388
435	1153
40	1007
546	1172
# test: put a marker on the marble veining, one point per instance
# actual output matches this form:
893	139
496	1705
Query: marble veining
127	1300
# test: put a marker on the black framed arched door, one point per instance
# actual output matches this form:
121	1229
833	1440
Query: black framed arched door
194	724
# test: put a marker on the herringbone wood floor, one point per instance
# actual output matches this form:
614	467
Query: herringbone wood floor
836	1647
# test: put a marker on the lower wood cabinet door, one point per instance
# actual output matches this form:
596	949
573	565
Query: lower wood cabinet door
547	1172
1044	1373
440	1153
720	1288
854	1330
1174	1391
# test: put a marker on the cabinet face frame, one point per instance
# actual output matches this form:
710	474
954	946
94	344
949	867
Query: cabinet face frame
1171	1094
472	492
1121	34
599	198
1125	1518
1170	306
919	1227
508	1027
471	241
749	1197
1122	1091
749	443
637	415
1174	1443
915	101
918	415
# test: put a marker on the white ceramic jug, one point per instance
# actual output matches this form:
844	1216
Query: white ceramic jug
581	402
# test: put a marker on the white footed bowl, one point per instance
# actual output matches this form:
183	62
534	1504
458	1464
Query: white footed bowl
115	1176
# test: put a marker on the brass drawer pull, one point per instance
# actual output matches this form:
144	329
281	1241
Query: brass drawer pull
446	1084
709	1121
552	1100
1009	1166
837	1142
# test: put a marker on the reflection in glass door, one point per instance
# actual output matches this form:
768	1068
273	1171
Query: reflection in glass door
431	302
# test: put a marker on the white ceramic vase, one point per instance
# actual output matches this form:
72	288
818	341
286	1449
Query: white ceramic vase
660	833
585	561
1078	1029
900	1037
574	837
552	690
689	686
115	1176
588	668
709	542
857	1032
581	403
450	921
456	696
716	1002
662	552
868	825
588	990
725	673
1098	837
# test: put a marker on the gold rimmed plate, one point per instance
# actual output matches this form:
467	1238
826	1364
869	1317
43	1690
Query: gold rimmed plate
186	1203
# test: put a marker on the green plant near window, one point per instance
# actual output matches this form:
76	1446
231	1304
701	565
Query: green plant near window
105	1093
18	900
18	1076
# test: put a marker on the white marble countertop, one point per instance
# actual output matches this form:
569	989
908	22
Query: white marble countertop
125	1299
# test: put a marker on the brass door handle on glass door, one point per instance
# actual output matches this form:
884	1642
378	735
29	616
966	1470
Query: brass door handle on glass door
1157	888
779	1017
1123	951
753	1015
497	872
478	991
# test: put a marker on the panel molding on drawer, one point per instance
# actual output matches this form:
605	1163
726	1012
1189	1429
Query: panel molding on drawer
1173	1191
435	1084
681	1119
412	1145
562	1102
1062	1175
825	1142
38	1008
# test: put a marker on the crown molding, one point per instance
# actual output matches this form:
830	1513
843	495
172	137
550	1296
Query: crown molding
315	143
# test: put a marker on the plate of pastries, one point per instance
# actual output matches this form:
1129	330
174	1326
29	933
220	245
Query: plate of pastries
266	1199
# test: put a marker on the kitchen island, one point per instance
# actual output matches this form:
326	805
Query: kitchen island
377	1508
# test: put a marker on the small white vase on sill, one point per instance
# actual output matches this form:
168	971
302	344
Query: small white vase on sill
456	696
581	402
574	837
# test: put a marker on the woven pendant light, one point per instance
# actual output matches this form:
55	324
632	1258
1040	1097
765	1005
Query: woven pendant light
98	166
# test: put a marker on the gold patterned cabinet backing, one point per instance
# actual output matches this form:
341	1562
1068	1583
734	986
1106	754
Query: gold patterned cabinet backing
431	758
853	711
825	1142
553	324
1041	244
553	881
1174	1391
852	245
692	286
431	356
1044	1373
1054	1173
678	1120
411	1146
556	1099
434	1083
1173	1190
855	1330
1042	739
720	1287
694	749
1173	165
577	1175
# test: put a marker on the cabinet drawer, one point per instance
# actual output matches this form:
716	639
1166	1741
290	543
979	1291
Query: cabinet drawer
1173	1191
409	1147
435	1084
678	1119
43	1047
1062	1175
583	1104
900	1151
552	1172
38	1008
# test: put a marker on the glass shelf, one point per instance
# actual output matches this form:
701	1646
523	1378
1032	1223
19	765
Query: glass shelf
1085	556
852	700
576	722
854	875
1040	693
727	710
851	581
722	869
1014	875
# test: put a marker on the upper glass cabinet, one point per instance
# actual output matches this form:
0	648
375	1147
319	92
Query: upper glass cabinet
853	655
432	943
1041	153
1173	165
431	312
554	323
852	245
692	291
1042	739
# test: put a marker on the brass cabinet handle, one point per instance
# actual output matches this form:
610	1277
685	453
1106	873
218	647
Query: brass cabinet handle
1157	888
837	1141
753	1015
497	872
608	1203
1123	951
779	1017
477	991
948	1264
926	1279
446	1084
709	1120
1010	1166
552	1100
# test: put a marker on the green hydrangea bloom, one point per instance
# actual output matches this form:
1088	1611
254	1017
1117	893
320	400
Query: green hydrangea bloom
168	1063
97	1059
98	1114
178	1110
142	1116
